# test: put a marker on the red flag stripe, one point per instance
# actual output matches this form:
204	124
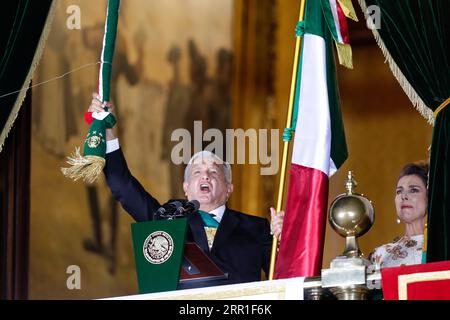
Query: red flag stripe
304	221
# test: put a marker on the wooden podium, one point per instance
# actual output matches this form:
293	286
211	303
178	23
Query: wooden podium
198	270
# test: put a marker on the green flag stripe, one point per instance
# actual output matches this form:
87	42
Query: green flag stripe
329	18
339	152
297	91
109	41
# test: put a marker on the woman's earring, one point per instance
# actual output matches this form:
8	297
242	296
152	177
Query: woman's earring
398	221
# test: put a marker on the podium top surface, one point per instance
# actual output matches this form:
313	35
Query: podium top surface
283	289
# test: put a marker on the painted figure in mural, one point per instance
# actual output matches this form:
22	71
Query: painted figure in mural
199	80
411	205
218	92
178	99
206	99
238	243
52	103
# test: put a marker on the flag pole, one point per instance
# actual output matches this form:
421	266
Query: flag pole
286	143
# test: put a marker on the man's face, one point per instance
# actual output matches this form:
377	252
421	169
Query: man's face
206	183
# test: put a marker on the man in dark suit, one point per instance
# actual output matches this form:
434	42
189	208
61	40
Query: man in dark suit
240	244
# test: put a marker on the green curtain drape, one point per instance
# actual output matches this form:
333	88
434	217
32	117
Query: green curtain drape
24	25
414	35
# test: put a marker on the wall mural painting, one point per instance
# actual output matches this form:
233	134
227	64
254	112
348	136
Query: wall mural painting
165	76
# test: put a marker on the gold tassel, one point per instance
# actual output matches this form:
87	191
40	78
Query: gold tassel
88	168
348	9
345	55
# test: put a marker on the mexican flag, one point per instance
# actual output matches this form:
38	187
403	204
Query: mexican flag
89	166
319	145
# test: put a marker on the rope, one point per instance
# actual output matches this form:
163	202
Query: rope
52	79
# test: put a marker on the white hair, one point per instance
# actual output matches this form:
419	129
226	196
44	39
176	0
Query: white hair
216	159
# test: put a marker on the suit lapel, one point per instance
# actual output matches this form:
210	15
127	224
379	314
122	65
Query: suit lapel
198	230
227	224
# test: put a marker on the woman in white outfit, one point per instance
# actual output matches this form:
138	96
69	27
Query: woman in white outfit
411	205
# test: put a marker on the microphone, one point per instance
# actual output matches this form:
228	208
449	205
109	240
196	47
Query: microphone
188	207
167	210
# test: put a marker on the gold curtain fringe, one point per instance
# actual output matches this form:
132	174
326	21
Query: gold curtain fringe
345	54
88	168
417	102
37	57
348	9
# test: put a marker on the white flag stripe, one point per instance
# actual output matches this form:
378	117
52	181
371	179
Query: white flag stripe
102	59
312	141
337	24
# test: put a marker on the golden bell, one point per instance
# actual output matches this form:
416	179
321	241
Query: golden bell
351	215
